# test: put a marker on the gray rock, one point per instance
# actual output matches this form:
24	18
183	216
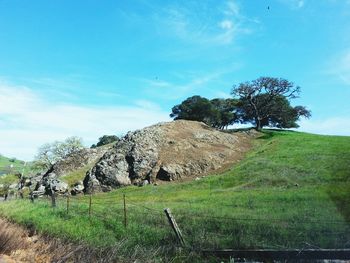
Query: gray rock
76	161
78	188
41	188
58	186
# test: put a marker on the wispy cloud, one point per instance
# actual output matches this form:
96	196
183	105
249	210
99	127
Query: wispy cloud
171	90
27	120
186	86
206	26
340	67
294	4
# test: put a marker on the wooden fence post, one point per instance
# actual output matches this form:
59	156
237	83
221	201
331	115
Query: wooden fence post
53	198
32	197
125	219
67	204
90	204
174	226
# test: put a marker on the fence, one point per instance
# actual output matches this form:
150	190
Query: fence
199	231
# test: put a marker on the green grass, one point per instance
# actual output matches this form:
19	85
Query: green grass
12	166
291	191
77	175
8	179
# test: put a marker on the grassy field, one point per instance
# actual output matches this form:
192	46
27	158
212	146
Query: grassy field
12	165
291	191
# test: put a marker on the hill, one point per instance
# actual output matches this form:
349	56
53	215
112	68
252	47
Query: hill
291	191
168	151
11	165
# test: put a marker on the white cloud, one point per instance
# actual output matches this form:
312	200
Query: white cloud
27	120
329	126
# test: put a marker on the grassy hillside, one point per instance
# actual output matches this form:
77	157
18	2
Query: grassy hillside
11	165
291	191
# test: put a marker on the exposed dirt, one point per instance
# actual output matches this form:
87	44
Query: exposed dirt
192	142
20	245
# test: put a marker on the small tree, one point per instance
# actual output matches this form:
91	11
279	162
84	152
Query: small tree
105	139
50	153
265	102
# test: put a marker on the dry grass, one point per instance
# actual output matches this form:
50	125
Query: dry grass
11	238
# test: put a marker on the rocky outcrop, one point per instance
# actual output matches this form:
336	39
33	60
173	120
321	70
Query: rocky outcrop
165	152
76	161
43	184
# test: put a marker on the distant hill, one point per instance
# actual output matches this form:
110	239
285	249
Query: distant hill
13	165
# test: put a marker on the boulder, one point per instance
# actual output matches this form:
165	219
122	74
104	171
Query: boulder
43	183
58	186
76	161
78	188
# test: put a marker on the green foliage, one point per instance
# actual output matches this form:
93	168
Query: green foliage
195	108
6	181
105	139
76	175
223	113
293	189
263	102
218	113
50	153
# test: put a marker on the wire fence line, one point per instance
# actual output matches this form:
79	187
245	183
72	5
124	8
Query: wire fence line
203	231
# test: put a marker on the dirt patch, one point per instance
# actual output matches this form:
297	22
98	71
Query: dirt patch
18	244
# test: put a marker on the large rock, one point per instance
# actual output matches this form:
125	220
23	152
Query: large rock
78	188
51	179
76	161
165	152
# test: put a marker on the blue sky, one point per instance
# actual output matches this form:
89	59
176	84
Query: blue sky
89	68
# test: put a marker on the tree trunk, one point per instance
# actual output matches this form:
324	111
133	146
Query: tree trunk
258	124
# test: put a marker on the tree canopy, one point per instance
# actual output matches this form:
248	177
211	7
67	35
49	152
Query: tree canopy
50	153
218	113
266	102
105	139
262	102
195	108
